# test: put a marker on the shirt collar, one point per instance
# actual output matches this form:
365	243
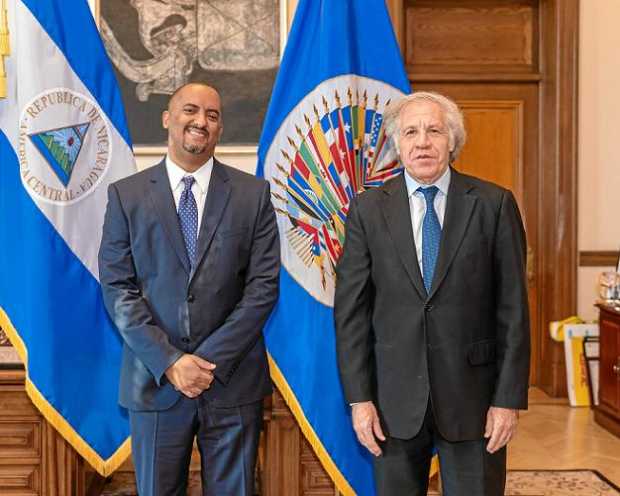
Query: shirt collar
443	183
176	174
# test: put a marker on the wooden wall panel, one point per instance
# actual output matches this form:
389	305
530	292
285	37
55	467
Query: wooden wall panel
20	439
495	140
34	458
20	480
283	440
314	479
446	36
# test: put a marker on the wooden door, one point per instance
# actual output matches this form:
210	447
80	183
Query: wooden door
500	150
511	66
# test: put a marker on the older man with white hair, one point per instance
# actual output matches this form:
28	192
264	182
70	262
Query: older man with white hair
431	313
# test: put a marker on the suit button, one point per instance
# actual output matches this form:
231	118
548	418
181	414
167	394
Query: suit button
185	340
190	297
428	307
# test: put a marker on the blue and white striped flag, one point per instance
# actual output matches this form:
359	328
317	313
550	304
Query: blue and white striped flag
63	139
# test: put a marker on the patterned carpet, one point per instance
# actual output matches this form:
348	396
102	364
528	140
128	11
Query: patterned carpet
557	483
519	483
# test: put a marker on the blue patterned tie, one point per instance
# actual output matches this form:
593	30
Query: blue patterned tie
188	218
431	236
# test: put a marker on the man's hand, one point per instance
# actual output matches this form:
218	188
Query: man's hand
367	426
501	427
191	375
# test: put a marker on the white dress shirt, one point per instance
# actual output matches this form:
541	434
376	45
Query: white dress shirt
199	189
417	206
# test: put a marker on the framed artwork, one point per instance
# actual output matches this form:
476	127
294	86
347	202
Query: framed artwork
158	45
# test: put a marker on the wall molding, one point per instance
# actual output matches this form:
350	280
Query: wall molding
598	258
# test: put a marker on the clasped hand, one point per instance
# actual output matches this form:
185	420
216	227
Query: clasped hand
191	375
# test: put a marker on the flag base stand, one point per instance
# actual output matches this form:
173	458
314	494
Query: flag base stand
34	457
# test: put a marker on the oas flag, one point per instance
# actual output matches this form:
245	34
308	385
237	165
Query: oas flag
323	142
63	139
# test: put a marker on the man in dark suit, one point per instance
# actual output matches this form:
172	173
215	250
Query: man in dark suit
189	265
431	313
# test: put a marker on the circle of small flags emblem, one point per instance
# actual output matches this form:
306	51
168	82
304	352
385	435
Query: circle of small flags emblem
337	148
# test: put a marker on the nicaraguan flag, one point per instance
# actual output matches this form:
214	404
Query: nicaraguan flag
63	139
323	142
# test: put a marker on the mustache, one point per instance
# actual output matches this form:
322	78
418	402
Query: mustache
199	128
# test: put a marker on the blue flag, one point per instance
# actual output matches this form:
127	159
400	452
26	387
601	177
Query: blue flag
323	141
63	139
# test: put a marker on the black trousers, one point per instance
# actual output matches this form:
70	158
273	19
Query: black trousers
467	469
227	438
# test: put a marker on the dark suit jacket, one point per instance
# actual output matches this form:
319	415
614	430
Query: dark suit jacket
467	343
162	309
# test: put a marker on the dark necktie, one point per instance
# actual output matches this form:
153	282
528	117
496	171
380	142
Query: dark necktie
431	236
188	218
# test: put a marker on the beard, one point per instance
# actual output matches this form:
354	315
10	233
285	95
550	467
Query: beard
194	149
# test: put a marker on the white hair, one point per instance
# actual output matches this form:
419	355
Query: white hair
451	113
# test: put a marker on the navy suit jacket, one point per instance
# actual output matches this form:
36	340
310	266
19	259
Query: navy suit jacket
164	309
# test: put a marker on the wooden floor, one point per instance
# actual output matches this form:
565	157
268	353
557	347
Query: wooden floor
552	435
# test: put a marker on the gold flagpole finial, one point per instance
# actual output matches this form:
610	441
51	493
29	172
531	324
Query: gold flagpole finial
5	47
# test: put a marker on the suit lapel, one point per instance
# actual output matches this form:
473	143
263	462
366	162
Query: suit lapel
398	218
161	196
459	207
217	198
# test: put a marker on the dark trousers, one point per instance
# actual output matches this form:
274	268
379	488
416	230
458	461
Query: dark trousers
227	438
467	469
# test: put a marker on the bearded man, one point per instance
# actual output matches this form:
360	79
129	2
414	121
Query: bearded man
189	266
